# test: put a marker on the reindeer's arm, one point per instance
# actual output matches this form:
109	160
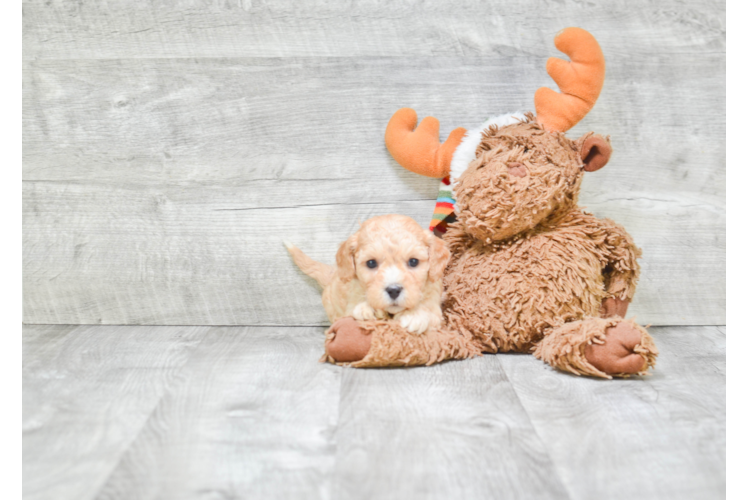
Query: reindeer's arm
457	240
621	269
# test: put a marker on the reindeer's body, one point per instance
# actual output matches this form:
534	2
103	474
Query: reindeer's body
529	271
510	294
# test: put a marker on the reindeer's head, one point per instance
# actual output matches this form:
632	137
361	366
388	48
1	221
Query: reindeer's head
522	175
521	171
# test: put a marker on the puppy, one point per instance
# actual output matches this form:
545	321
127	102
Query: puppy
390	269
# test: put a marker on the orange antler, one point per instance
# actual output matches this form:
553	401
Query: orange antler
419	150
580	81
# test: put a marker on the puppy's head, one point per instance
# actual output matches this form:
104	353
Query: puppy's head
395	260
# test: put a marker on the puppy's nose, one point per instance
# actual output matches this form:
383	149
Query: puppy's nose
393	291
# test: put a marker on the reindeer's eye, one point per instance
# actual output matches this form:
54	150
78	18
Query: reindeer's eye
413	262
371	264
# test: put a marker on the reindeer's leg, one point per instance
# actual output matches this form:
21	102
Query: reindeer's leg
600	347
346	341
621	271
385	343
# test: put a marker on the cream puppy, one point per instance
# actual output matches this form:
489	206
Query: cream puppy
390	269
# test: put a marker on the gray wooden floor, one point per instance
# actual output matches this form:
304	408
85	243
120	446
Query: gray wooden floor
141	412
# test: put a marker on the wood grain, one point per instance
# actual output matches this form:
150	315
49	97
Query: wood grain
236	122
132	255
87	392
253	416
245	28
235	412
658	437
132	166
455	430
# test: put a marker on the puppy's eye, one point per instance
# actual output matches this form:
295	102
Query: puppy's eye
371	264
413	262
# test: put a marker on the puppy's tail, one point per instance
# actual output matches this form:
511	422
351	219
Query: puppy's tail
322	273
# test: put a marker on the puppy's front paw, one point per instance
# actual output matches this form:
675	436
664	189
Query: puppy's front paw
364	312
415	322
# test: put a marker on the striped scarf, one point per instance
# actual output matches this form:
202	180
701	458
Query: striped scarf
444	213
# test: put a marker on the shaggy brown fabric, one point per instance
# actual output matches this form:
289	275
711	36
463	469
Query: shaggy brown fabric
495	204
509	293
564	347
526	259
392	345
530	271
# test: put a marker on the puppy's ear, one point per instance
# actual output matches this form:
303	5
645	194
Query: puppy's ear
345	258
438	256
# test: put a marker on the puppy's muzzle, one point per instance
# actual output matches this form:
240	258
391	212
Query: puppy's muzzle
393	291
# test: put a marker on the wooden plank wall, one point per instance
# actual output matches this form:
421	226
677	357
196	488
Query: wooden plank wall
169	147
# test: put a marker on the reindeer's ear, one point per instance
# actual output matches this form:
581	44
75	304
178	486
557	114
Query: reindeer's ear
438	256
596	152
345	258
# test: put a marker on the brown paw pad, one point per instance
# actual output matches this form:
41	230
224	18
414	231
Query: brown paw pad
616	355
350	342
614	307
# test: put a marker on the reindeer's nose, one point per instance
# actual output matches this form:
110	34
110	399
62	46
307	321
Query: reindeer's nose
393	291
516	169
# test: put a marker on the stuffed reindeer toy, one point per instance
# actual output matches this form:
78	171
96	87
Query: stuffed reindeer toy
530	271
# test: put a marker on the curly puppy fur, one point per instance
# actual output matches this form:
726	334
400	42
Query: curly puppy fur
390	268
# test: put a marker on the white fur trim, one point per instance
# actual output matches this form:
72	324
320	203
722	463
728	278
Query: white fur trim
465	152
